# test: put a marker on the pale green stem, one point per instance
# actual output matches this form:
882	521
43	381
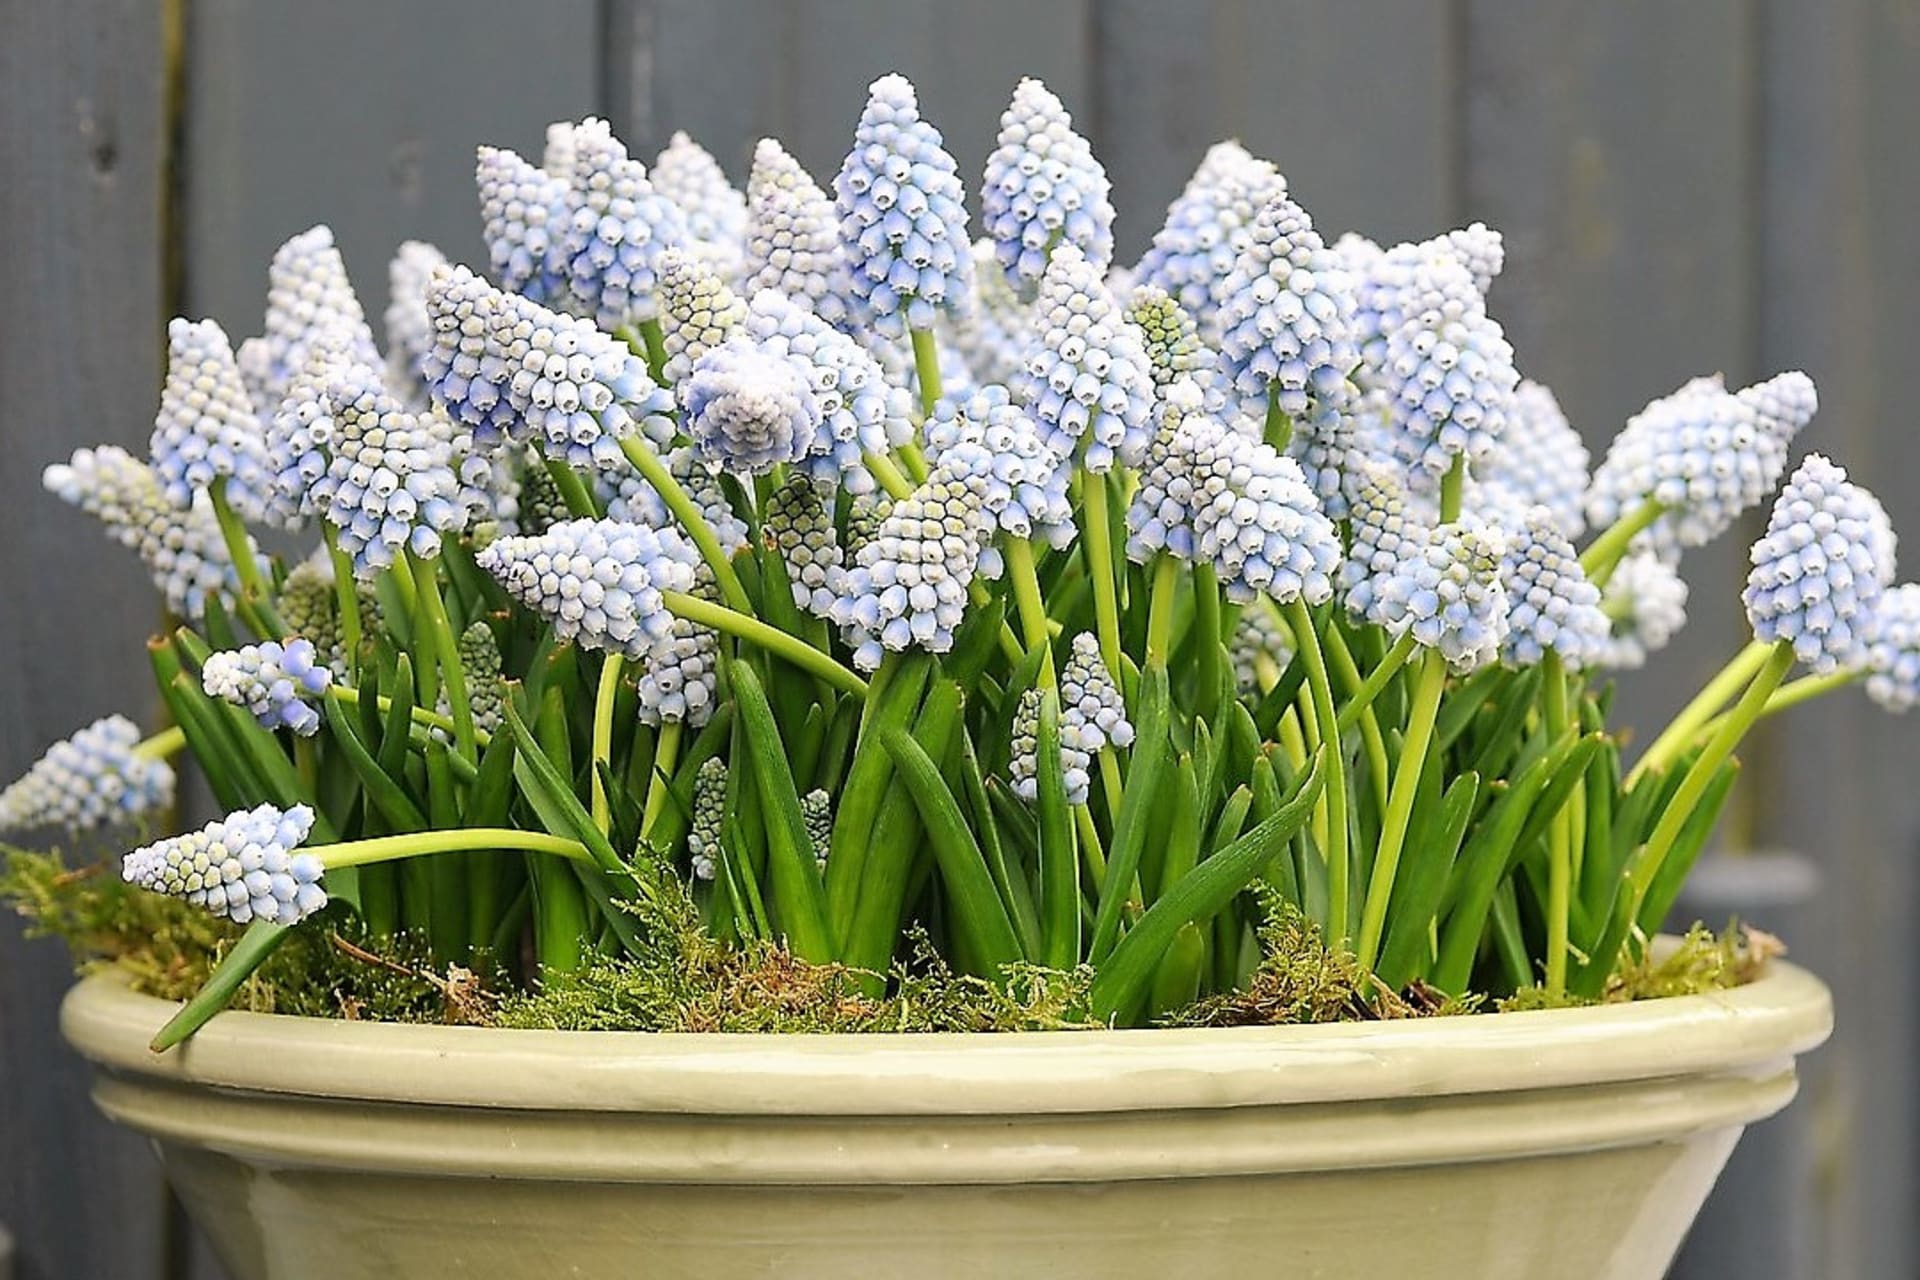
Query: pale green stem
1033	611
422	716
915	462
359	853
648	464
1790	695
1685	727
1606	551
1166	577
889	476
347	599
744	626
926	367
1096	539
256	603
603	700
1278	431
1340	657
1334	797
162	745
1406	785
666	753
447	653
1090	845
1376	681
1559	838
1452	486
573	489
655	341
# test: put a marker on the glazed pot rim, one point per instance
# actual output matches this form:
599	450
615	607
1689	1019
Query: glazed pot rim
1751	1028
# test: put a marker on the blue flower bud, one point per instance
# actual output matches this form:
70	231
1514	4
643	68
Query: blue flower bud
1023	765
1386	535
1043	187
1256	518
523	215
598	581
89	780
1286	317
276	683
242	867
992	338
1449	594
1092	712
749	411
708	816
1261	649
1816	579
1550	603
390	484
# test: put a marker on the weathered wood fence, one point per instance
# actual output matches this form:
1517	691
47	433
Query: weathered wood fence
1716	185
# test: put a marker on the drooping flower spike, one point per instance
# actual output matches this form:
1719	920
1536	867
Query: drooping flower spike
679	676
793	238
1026	479
244	867
698	311
1551	606
523	214
1206	227
1893	650
617	226
1452	595
409	329
903	217
1815	583
1538	459
207	429
1645	600
715	212
1088	380
1043	187
93	779
391	483
749	411
276	683
598	581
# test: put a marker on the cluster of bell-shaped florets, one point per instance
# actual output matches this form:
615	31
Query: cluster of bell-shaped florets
1092	711
1286	318
1385	534
1026	479
793	238
1451	596
1645	600
391	487
1160	513
615	228
309	299
184	551
479	653
707	817
1551	605
408	327
1260	649
677	682
816	814
688	176
523	216
749	410
1174	348
1207	225
276	683
698	311
1539	459
903	216
299	433
1043	188
1023	763
1893	650
1088	380
243	867
207	429
1820	569
1257	520
798	525
598	581
97	778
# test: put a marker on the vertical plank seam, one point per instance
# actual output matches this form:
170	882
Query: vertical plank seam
1459	69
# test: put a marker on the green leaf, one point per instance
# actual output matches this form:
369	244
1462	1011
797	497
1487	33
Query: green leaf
1059	858
1015	892
386	795
1700	823
1149	760
892	699
799	900
1422	882
255	945
553	798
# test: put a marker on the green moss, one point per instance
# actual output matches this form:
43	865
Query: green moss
1704	961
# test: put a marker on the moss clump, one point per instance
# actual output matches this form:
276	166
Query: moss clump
1704	961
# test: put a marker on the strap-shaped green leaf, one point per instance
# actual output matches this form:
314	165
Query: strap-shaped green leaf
799	901
1150	756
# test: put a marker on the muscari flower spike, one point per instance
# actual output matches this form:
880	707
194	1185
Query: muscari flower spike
277	683
598	581
1026	479
480	658
1286	317
678	679
1206	227
709	812
1385	534
1261	648
1258	520
992	336
1091	708
1043	187
798	525
206	428
299	434
628	497
903	217
1450	595
816	811
1645	601
1815	581
1076	760
1382	276
1538	459
409	330
715	212
697	311
1707	454
309	298
617	226
749	411
1088	380
860	411
793	238
1550	603
310	607
243	867
1893	650
1174	348
391	483
93	779
523	214
1161	512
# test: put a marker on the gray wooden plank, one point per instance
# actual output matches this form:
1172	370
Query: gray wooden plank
83	89
1355	101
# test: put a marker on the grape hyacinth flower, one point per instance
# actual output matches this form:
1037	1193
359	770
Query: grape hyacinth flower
1385	535
1893	651
748	411
391	486
816	812
1091	709
1645	600
523	214
1087	381
1174	348
1382	277
798	525
1026	480
1206	227
860	411
1454	599
1286	318
309	298
1043	187
627	496
1161	513
697	310
677	681
206	428
276	683
409	329
716	214
1815	583
617	226
598	581
992	337
1076	760
1551	606
184	552
1538	459
903	216
709	812
1259	522
95	778
242	867
479	654
793	238
299	434
1260	649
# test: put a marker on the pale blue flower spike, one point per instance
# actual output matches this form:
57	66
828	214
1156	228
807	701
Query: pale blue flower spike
617	226
679	676
309	299
277	684
1206	227
1257	519
244	867
907	587
1645	601
1550	603
1538	459
409	329
1451	595
184	552
523	219
88	781
1382	277
300	431
1385	534
698	311
1026	477
708	817
903	217
799	526
1088	379
1043	187
1160	515
714	210
793	240
1174	346
1893	650
749	411
1076	760
1817	573
860	411
627	496
1092	711
390	485
598	581
991	338
207	428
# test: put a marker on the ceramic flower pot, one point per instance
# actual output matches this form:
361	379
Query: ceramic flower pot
1576	1144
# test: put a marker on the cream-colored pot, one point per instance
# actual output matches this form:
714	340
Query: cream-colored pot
1569	1144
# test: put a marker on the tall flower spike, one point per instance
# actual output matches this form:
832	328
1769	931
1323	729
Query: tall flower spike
1550	603
206	428
1815	583
709	813
1161	513
1091	708
1705	453
1893	651
1448	373
1087	380
860	411
903	217
1258	521
409	331
598	581
184	552
629	497
617	227
993	336
1076	760
749	411
908	584
243	867
1454	600
1206	227
391	482
299	434
309	297
798	525
93	779
276	683
697	311
1539	459
1026	480
1174	348
793	238
1385	536
1382	277
523	216
1043	187
716	214
1645	601
1286	317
